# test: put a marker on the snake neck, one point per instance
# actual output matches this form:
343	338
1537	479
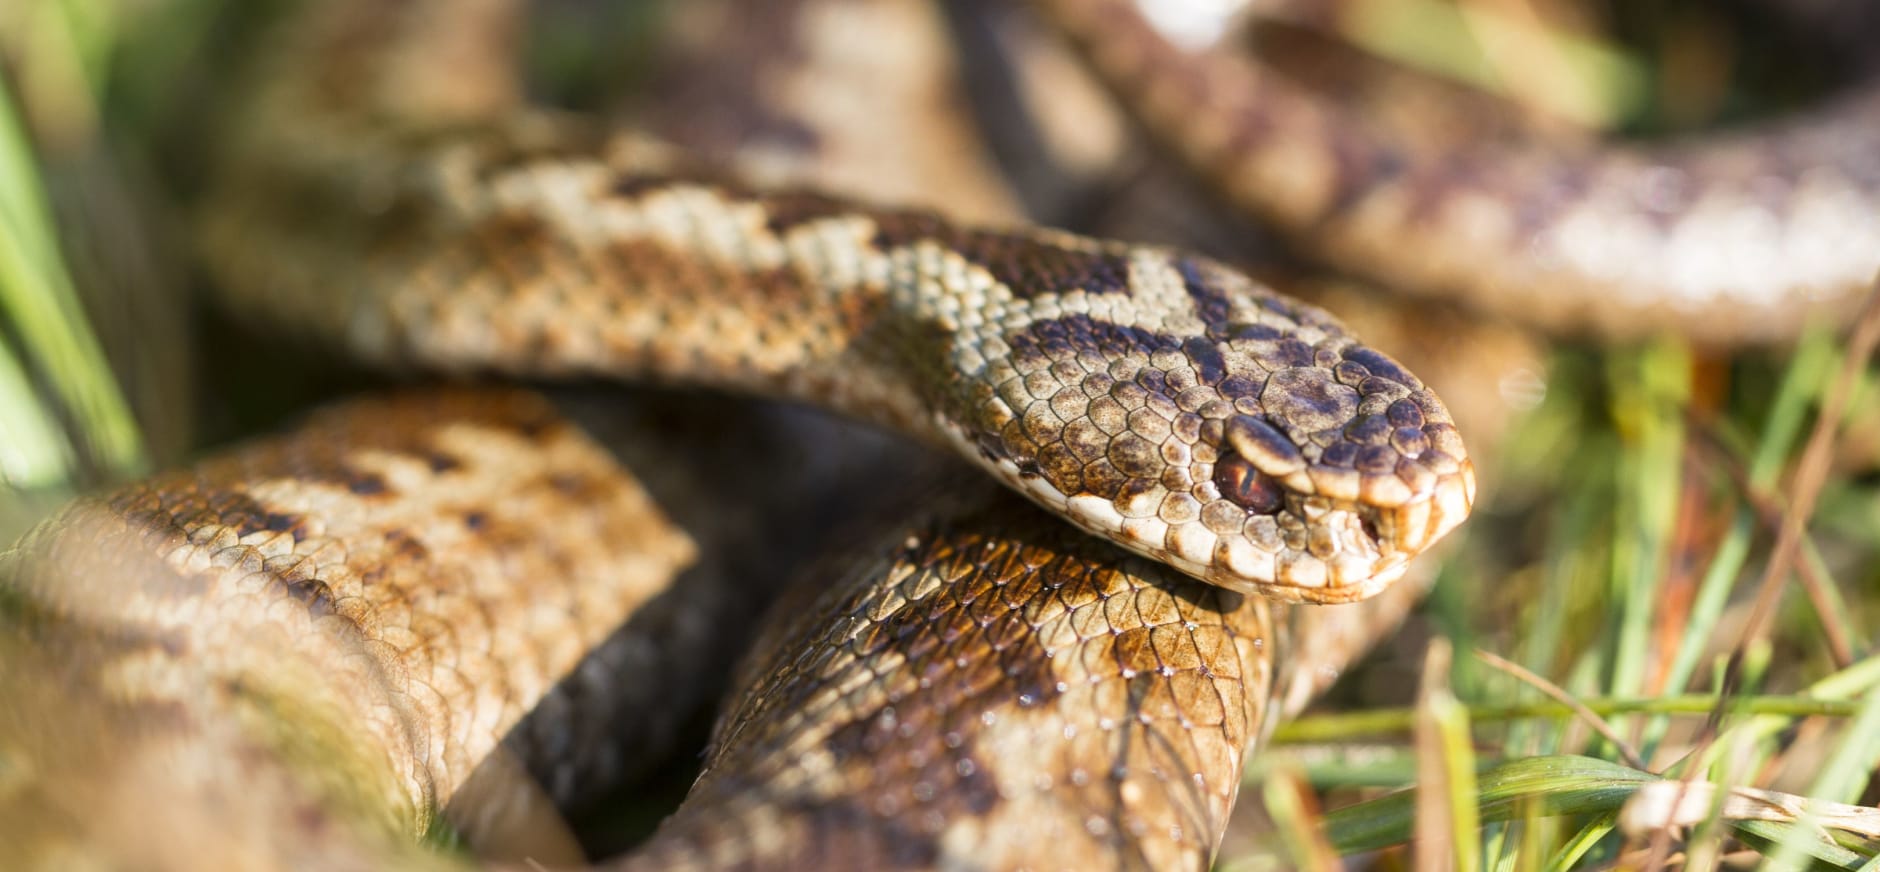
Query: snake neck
541	248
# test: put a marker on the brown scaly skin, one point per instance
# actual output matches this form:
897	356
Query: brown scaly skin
322	632
289	655
1735	238
1163	401
986	688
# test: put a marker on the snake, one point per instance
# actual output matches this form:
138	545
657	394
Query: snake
394	587
398	589
1736	237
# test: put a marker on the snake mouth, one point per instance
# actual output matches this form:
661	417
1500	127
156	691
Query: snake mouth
1399	533
1410	528
1310	535
1378	539
1340	551
1331	533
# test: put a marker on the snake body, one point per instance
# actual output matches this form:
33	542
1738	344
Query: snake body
1736	237
327	631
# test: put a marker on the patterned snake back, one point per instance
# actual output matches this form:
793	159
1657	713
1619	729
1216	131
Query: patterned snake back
1740	237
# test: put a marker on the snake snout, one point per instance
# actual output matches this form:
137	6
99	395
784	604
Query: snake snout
1340	489
1332	549
1403	531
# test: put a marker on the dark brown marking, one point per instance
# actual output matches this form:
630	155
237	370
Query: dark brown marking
313	593
1255	333
1211	304
512	231
1381	366
1064	338
633	186
1343	455
844	835
1028	265
1368	430
1379	458
785	208
281	522
794	208
1405	413
1209	364
406	547
1308	398
570	485
1288	351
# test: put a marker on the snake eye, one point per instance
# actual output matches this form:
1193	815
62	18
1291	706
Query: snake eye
1247	486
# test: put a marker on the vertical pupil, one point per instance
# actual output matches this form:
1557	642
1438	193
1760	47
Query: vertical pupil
1246	486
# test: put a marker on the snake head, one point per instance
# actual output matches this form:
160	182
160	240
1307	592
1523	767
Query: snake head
1203	420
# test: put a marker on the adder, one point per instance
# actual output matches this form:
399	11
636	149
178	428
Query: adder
390	589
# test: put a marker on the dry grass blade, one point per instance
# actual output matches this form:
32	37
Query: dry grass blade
1446	818
1560	695
1809	570
1295	811
1667	804
1812	472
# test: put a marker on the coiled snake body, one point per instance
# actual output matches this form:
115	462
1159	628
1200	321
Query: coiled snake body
982	687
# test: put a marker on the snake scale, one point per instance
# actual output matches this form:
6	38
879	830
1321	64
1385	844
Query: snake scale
981	686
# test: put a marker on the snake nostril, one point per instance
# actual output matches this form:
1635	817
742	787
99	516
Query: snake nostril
1246	486
1369	526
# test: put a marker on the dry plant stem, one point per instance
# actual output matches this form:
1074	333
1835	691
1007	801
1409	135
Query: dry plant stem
1691	542
1560	695
1769	513
1695	803
1810	474
1432	847
1296	814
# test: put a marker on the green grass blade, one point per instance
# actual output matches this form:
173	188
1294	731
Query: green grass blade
38	302
1554	785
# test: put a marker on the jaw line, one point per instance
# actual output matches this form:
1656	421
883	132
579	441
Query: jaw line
1390	565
